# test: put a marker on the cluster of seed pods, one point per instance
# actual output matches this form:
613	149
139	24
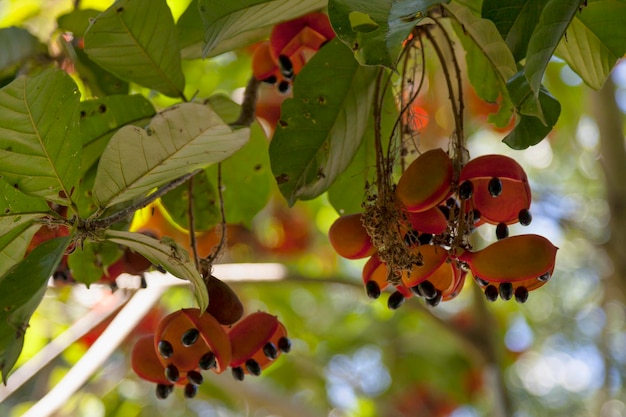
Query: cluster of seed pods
277	61
438	214
189	341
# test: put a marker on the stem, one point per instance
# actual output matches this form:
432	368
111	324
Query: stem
248	106
103	223
380	165
211	258
192	226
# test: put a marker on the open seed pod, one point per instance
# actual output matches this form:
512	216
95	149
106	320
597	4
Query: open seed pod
188	339
437	279
499	188
522	261
426	181
431	221
374	276
349	237
297	40
256	342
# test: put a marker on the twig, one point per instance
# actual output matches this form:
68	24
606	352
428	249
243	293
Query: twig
103	223
248	106
192	226
208	261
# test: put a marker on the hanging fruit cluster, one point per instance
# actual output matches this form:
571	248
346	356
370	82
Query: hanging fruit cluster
421	245
277	61
189	341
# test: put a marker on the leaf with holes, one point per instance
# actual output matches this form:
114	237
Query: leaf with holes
138	46
321	127
167	254
228	20
179	140
39	135
21	291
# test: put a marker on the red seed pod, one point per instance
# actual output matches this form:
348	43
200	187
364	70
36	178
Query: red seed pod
431	221
186	337
146	363
426	181
438	270
349	238
224	304
299	39
264	67
500	188
374	276
256	342
523	260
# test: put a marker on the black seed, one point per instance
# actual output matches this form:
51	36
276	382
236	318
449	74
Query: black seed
425	239
191	390
416	290
171	373
545	277
283	86
481	281
521	294
433	302
445	210
195	377
253	367
524	217
270	350
285	65
190	337
506	291
451	202
411	237
284	344
207	361
395	300
476	214
238	373
491	292
502	231
163	391
495	187
465	190
372	289
165	349
427	289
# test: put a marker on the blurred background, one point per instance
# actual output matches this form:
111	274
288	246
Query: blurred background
563	353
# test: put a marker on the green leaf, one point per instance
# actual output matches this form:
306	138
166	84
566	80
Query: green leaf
101	118
17	46
14	243
179	140
531	130
77	21
555	17
376	29
206	210
136	40
485	36
39	142
226	20
17	208
167	254
89	262
322	126
595	40
348	192
515	20
21	291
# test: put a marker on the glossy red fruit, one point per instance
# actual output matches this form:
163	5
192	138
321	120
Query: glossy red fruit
256	342
431	221
374	276
185	338
349	237
426	181
500	188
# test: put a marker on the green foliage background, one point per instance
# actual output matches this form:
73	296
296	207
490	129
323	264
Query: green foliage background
561	353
